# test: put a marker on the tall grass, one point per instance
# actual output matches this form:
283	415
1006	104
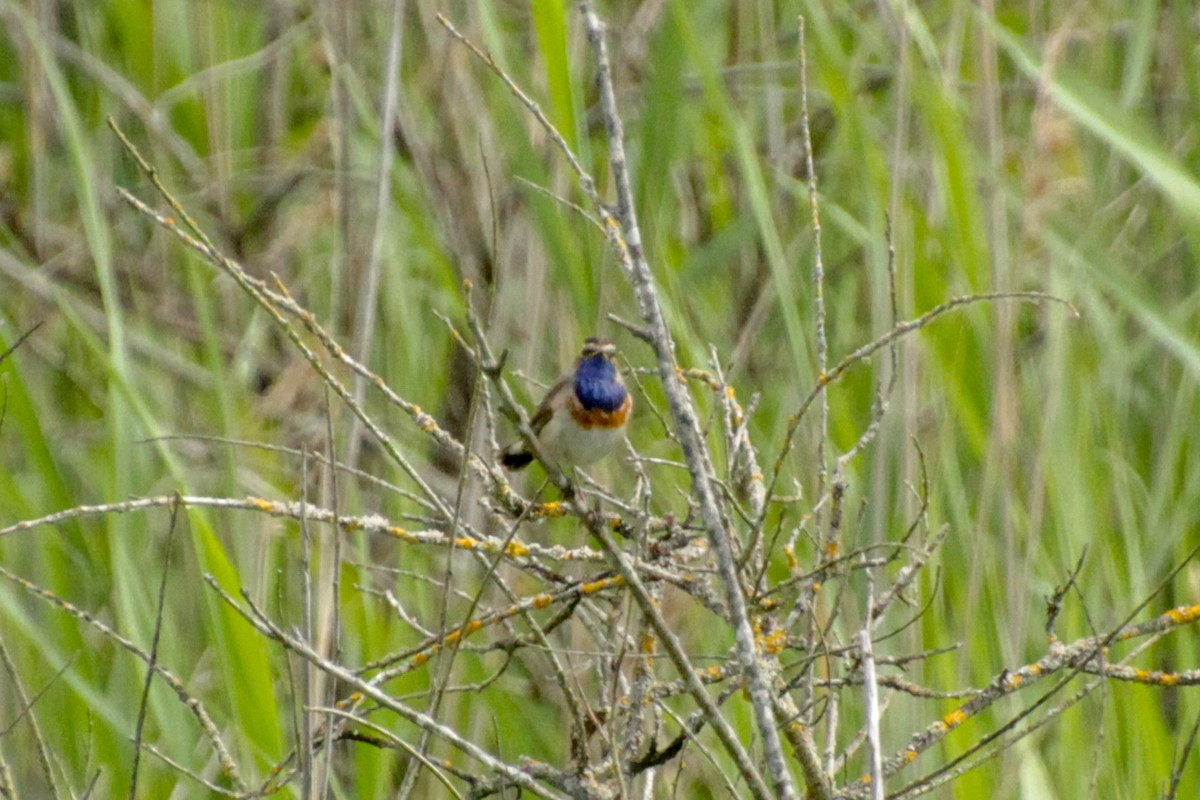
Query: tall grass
1071	169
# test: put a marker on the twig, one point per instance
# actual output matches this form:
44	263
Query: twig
224	759
144	705
20	340
865	351
871	701
1177	770
818	269
268	628
633	259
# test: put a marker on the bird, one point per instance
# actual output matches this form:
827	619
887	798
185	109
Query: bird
582	418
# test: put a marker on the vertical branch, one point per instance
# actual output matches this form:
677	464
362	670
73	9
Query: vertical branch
818	270
883	463
309	676
871	699
144	706
683	413
335	607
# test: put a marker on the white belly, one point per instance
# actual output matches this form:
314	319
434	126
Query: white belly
569	445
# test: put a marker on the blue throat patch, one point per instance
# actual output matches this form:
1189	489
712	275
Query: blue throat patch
596	385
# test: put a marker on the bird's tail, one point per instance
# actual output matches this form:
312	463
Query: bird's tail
516	456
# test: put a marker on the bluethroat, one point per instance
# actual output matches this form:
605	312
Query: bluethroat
582	418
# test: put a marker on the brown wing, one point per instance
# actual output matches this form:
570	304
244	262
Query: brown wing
545	408
517	455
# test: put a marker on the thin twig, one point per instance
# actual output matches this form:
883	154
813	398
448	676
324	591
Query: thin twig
144	705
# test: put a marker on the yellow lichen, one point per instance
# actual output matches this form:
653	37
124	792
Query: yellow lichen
772	643
400	533
1184	614
954	718
596	586
261	505
551	509
790	552
352	699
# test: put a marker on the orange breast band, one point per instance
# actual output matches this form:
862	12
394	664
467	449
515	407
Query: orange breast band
598	417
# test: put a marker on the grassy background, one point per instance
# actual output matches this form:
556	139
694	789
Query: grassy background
1051	146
